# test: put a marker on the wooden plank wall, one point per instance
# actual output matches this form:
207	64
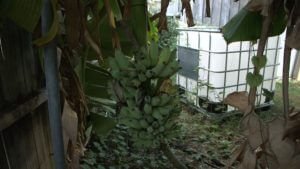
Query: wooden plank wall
25	144
221	11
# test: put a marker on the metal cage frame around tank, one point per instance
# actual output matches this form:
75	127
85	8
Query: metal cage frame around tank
226	71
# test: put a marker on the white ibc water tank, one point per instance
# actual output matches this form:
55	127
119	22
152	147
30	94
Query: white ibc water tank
222	68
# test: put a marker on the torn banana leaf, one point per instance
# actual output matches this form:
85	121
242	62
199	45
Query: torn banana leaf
246	25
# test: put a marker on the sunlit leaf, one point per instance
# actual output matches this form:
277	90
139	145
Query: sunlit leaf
293	39
69	124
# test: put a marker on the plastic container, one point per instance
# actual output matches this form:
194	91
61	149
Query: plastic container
222	68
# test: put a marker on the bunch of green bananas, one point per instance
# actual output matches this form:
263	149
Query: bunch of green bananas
149	113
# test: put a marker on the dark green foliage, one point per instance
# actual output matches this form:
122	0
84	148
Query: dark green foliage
254	80
19	12
169	38
117	151
259	61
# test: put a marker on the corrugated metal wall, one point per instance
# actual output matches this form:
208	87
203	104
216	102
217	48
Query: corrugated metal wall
221	11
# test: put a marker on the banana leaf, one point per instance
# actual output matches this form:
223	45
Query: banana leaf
102	125
115	7
138	20
25	13
246	25
96	80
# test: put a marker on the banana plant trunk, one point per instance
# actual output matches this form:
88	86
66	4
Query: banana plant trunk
138	20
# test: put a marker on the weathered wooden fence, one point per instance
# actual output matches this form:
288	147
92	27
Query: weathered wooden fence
24	127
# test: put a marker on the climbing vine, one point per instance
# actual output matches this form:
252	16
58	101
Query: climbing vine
268	144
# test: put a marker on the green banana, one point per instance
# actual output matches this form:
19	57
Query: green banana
132	74
113	64
121	60
129	93
140	67
169	124
147	114
142	77
164	99
149	118
146	62
155	124
125	81
173	55
130	103
138	96
134	113
158	69
131	123
147	99
150	129
171	134
169	69
124	112
164	56
156	114
164	111
144	123
145	135
136	82
166	66
147	108
161	129
155	101
116	74
153	53
149	74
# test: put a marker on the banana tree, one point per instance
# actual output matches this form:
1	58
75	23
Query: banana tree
271	144
88	33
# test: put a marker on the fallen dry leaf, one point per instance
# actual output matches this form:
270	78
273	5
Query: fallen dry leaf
249	161
254	130
237	155
238	100
282	148
292	126
69	125
293	41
